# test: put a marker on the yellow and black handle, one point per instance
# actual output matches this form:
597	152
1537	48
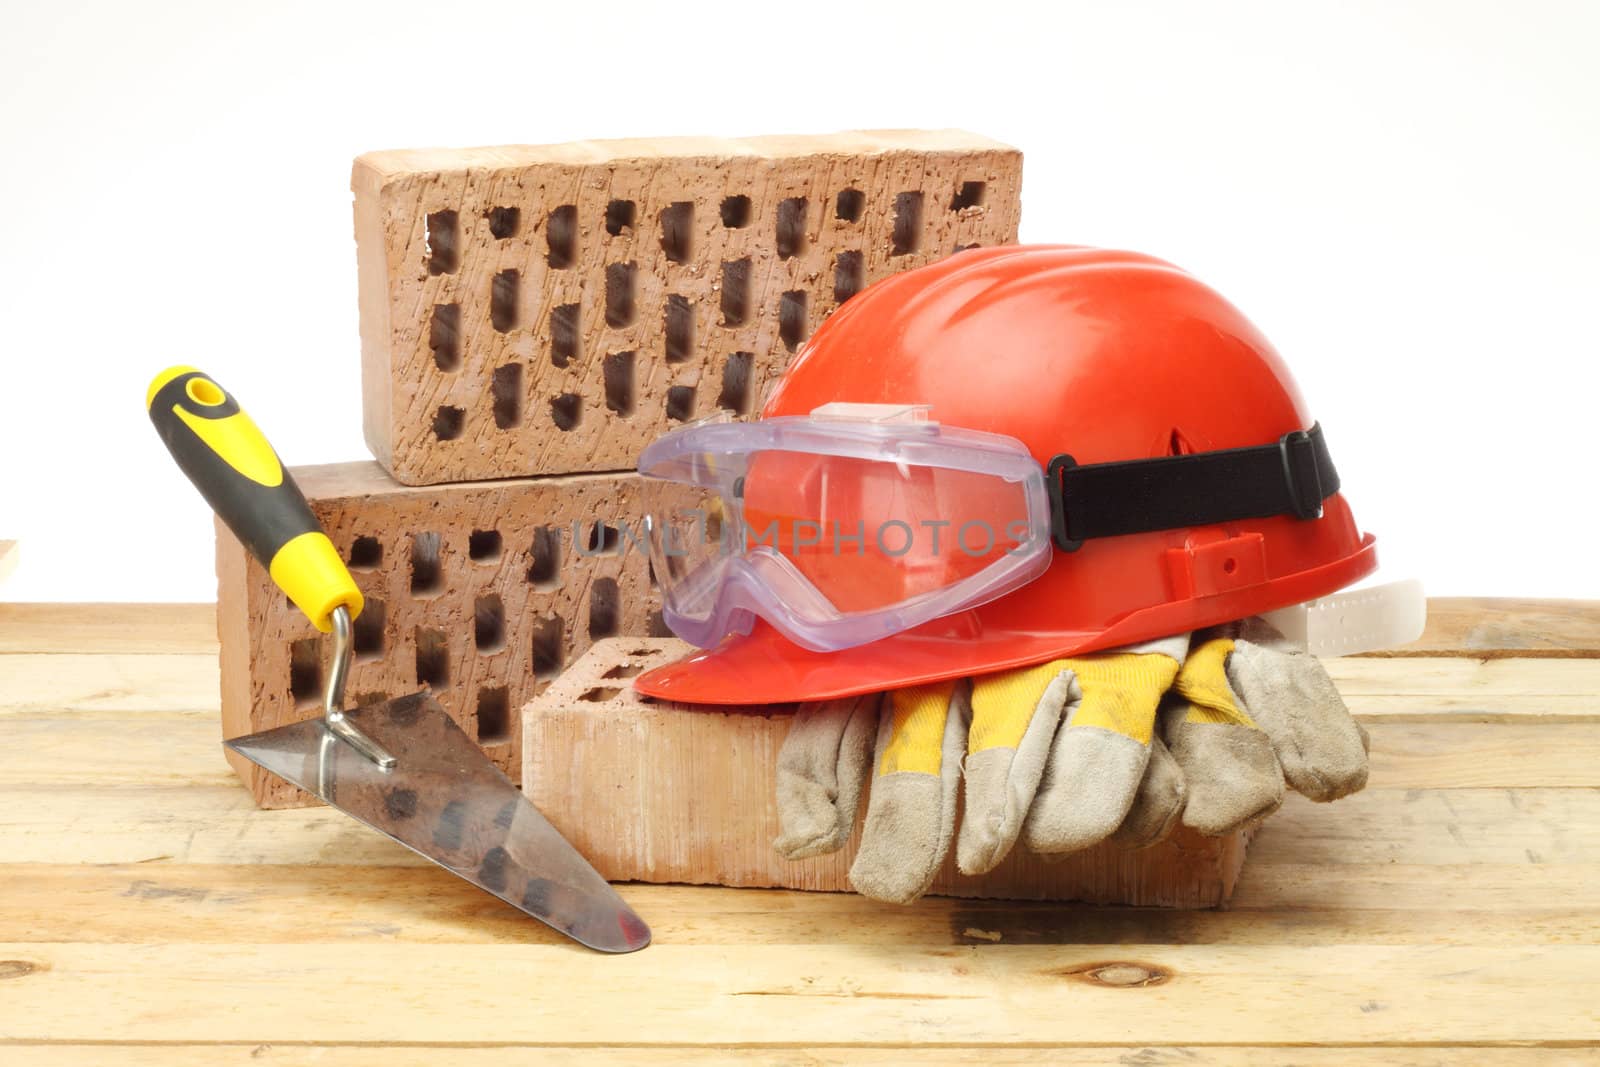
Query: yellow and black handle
229	460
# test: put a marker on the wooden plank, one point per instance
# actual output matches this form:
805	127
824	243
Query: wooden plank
123	628
778	995
1452	755
1479	887
1454	689
190	823
111	748
1496	627
63	748
1133	1055
1374	904
34	683
184	823
1428	826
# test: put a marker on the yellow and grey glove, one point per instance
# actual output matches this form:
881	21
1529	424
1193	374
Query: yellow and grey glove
1248	713
1054	753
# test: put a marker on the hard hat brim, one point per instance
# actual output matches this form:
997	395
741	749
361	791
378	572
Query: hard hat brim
764	667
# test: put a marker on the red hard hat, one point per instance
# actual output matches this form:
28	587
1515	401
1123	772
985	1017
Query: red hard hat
1104	356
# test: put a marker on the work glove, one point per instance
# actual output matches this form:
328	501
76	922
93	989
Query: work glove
1054	753
1118	746
1248	713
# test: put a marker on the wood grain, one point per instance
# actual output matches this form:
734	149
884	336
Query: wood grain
809	1055
150	914
98	628
1494	628
778	995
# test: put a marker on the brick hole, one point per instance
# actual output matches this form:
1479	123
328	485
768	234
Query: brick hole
366	631
677	231
544	567
907	235
619	216
494	715
735	212
791	227
621	281
447	422
561	237
444	336
625	670
601	693
969	195
564	324
546	652
442	236
680	403
964	248
433	658
736	375
603	539
505	396
566	411
678	325
848	276
503	301
849	205
483	546
617	370
656	626
489	624
792	318
504	222
605	608
735	292
366	700
366	553
427	579
305	672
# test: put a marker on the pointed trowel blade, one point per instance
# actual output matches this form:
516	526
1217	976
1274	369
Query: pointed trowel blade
446	801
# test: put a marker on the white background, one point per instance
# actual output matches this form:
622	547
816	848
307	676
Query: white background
1404	196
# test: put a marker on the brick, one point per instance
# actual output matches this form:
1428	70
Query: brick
480	590
658	792
551	309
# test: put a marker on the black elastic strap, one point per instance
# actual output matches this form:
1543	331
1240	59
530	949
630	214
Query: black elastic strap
1292	477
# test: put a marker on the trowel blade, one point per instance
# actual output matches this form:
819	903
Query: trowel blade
446	801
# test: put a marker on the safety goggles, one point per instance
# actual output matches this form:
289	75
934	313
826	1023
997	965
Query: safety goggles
861	521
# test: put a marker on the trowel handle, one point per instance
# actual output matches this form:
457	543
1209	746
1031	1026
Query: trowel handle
229	460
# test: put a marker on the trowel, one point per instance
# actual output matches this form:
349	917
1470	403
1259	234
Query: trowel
402	767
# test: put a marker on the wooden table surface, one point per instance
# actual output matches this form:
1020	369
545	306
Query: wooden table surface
1450	914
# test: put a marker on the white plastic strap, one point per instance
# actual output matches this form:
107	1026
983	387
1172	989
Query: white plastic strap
1362	620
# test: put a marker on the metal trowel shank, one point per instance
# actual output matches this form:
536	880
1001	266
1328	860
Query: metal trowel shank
446	801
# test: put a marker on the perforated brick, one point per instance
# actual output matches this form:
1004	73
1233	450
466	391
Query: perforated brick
551	309
484	591
654	791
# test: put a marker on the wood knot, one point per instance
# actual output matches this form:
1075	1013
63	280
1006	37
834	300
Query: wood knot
18	968
1118	973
